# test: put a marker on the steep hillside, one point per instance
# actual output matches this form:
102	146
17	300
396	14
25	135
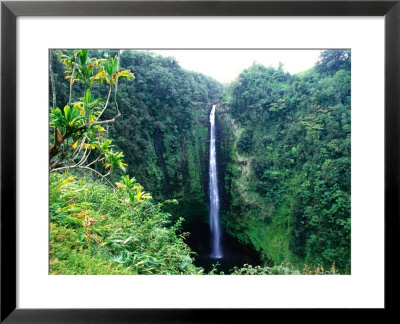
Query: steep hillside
289	176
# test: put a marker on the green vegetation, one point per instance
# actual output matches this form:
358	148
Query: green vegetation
78	129
290	162
163	130
133	117
285	268
94	231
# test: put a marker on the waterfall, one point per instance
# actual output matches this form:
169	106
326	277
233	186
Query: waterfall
216	250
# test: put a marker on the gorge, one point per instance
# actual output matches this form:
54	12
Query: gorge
255	172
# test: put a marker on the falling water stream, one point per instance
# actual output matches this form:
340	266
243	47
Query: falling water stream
226	251
216	249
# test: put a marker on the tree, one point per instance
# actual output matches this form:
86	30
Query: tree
293	135
334	60
78	131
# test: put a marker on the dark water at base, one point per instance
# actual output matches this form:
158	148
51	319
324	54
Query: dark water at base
235	253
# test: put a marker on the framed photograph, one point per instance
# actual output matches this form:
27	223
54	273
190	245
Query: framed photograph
197	159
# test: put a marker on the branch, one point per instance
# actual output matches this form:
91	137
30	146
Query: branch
54	150
79	150
84	158
97	122
94	161
105	105
57	162
106	121
103	177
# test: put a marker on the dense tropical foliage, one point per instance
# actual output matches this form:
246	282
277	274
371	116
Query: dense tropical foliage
290	163
128	162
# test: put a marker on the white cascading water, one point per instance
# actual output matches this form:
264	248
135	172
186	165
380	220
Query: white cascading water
216	250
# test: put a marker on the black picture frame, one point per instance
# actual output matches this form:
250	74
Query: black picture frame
10	10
